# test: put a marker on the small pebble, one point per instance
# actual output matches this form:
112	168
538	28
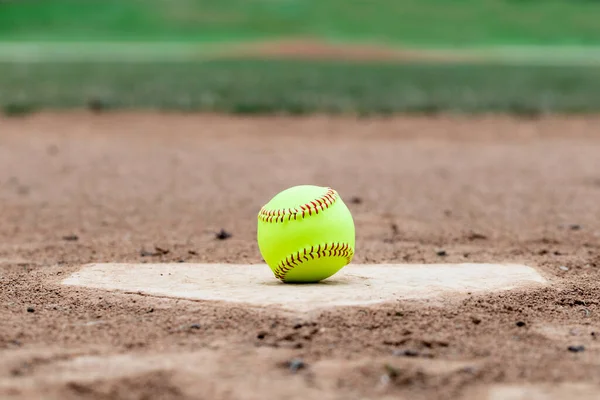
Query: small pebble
384	380
161	251
441	253
355	200
477	236
30	309
195	326
223	234
563	268
520	324
576	349
296	364
406	353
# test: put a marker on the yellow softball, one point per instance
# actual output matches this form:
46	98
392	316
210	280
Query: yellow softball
306	234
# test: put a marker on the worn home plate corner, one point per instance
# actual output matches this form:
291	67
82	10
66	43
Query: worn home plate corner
353	285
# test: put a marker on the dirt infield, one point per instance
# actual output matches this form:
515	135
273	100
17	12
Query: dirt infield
77	188
316	49
307	49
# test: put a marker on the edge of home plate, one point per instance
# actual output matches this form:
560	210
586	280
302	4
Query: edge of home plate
255	285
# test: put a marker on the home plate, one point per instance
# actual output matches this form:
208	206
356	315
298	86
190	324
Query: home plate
353	285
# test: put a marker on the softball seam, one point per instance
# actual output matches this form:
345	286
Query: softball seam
313	207
343	250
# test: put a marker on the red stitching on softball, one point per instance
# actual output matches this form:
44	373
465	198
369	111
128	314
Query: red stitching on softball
314	206
330	249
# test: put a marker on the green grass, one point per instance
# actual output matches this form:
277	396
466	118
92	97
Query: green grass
413	22
291	87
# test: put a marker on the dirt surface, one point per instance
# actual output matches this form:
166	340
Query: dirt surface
80	188
314	49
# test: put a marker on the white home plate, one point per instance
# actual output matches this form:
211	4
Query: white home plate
256	285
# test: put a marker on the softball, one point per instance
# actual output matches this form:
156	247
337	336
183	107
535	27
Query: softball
306	234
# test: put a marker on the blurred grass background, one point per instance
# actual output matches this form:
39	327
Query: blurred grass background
283	86
524	27
414	22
